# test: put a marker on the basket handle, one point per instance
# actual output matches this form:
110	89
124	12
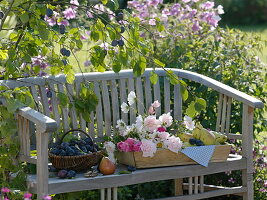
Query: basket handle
72	130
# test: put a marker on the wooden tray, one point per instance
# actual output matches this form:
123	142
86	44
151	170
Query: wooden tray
165	157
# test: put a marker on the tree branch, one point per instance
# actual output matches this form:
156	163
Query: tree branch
6	14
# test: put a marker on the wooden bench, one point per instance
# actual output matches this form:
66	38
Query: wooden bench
112	89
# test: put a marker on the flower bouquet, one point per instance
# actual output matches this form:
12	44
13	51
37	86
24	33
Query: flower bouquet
157	141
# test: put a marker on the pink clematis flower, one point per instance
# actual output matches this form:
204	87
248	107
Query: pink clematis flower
69	13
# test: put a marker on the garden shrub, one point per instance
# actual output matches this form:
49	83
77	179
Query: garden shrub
182	35
191	41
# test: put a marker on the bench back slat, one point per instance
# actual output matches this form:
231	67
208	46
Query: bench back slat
99	112
167	105
106	105
123	98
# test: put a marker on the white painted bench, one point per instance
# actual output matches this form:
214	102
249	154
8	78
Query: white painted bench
112	90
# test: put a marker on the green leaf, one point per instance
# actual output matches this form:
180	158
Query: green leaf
63	99
104	1
94	35
116	67
156	61
200	104
70	76
113	5
86	116
24	18
13	105
172	77
190	111
79	44
184	92
153	77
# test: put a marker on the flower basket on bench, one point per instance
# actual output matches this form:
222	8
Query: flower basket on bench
165	157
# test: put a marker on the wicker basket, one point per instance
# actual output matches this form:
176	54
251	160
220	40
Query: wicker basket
77	163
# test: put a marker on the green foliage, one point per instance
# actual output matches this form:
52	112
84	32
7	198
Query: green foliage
244	12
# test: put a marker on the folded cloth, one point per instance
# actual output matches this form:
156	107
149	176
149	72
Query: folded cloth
200	154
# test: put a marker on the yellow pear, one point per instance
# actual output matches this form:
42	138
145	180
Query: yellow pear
185	136
220	138
207	137
106	166
196	132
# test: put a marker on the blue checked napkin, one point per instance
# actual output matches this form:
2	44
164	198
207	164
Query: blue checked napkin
200	154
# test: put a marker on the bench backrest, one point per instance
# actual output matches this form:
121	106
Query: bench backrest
112	90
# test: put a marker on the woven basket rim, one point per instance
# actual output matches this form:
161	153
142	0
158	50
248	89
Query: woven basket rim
78	156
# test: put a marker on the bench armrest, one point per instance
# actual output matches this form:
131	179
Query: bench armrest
220	87
46	124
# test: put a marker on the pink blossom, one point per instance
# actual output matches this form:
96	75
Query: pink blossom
143	14
166	11
133	4
265	183
164	18
151	110
174	144
75	4
156	104
50	20
5	190
161	129
148	148
207	5
163	135
87	63
136	146
84	37
124	147
89	15
130	141
175	10
196	26
186	1
69	13
64	22
27	196
151	123
166	119
154	2
47	197
192	13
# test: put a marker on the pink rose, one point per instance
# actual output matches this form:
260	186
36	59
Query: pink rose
124	147
156	104
163	135
151	110
130	141
166	119
5	190
161	129
148	148
151	123
136	146
174	144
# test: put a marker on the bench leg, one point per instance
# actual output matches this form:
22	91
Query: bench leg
108	195
42	164
247	181
178	186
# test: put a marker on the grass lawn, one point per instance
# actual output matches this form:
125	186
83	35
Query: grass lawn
260	30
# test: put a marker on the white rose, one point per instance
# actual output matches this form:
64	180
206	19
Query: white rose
124	107
131	98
